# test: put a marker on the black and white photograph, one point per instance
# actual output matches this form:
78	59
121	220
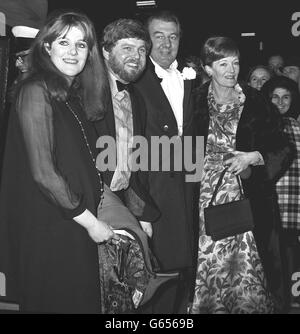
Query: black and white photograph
149	159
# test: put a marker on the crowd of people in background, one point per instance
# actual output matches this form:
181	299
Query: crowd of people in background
74	88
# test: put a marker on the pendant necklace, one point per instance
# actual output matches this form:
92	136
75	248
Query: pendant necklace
89	149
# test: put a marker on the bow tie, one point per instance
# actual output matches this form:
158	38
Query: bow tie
121	86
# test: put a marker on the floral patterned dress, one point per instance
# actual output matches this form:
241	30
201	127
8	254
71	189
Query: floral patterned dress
230	276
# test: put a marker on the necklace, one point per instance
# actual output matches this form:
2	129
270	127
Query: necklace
89	149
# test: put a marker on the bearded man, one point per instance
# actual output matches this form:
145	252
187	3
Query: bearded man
125	45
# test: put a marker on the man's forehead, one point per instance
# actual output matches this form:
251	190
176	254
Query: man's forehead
275	59
160	25
131	41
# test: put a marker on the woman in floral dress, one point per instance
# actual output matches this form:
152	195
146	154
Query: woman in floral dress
233	119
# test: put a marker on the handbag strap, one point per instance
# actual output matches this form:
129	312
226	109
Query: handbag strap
241	187
219	184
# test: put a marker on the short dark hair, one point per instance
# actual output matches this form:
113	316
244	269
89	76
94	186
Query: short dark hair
218	47
124	28
166	16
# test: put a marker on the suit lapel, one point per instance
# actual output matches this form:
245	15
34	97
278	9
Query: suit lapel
136	117
186	99
165	111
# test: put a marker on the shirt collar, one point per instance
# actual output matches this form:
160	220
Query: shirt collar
112	82
161	72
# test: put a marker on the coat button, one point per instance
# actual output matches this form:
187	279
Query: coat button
166	128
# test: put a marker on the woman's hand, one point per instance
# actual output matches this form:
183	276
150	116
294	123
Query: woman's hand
241	161
100	232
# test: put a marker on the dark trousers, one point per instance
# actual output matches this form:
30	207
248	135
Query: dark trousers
172	297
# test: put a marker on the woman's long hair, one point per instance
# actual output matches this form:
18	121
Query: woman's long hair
92	80
288	84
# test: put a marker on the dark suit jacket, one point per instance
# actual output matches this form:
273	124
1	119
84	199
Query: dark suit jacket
172	239
136	197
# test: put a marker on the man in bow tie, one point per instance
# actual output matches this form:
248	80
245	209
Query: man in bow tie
169	114
125	44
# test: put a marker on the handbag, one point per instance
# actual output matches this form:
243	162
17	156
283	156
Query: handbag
228	219
123	275
129	271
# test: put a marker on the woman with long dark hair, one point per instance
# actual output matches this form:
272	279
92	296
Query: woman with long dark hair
50	184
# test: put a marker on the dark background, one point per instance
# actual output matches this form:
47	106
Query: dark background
270	20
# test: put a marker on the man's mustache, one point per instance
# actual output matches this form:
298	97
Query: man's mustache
133	61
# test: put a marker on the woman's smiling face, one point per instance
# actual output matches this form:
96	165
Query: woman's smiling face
282	98
225	71
69	52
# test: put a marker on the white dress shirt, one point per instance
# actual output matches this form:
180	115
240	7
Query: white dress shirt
173	87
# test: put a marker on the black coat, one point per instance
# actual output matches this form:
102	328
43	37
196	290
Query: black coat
50	262
172	239
259	129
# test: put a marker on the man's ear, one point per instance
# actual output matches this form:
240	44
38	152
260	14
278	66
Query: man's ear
47	48
105	53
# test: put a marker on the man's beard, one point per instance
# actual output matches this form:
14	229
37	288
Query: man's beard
119	68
